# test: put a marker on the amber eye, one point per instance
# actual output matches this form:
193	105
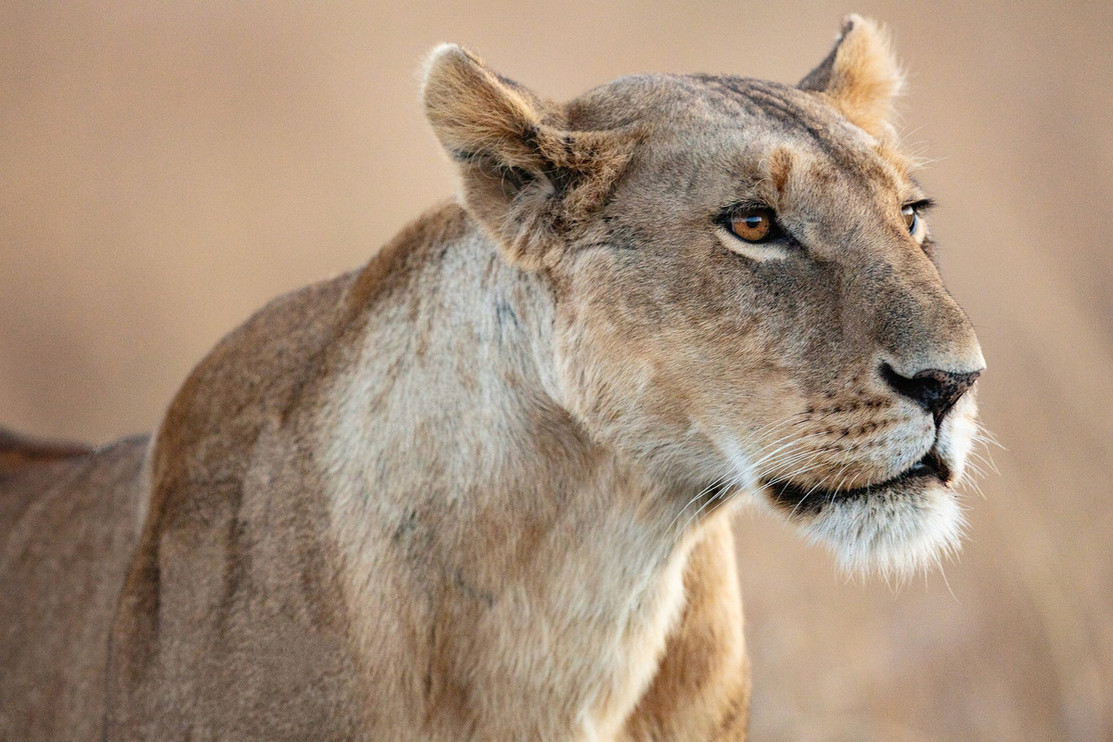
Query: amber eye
911	218
752	225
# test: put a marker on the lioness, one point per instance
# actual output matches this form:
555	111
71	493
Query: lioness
480	489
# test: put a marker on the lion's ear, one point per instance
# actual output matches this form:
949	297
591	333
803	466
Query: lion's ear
861	76
527	178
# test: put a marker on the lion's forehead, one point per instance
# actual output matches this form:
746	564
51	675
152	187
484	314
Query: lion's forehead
737	132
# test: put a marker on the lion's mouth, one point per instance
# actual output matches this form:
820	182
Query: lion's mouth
931	469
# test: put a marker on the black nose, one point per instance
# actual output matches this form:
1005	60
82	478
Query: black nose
934	390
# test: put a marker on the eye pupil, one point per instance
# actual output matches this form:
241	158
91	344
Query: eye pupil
752	225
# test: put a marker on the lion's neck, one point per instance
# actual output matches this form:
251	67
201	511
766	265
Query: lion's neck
449	401
452	465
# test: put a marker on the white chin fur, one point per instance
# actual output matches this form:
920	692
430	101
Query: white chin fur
896	537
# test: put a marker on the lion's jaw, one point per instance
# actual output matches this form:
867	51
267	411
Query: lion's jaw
902	523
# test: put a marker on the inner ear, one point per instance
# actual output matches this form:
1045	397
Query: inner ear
861	76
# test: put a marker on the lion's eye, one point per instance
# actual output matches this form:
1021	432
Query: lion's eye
753	225
911	218
913	215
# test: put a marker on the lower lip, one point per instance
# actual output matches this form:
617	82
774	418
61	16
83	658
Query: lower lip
802	499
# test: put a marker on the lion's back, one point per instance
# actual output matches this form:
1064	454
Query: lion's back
68	528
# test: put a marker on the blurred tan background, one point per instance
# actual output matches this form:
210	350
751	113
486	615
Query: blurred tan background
165	168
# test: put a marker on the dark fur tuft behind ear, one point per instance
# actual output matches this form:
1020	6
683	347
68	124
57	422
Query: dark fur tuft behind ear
860	76
526	178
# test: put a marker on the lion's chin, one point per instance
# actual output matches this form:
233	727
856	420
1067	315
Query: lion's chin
896	528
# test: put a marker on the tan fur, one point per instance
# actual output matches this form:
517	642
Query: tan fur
861	77
481	489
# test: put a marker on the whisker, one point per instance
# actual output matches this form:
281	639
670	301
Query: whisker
807	494
714	483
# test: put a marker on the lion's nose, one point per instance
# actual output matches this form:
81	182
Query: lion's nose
933	389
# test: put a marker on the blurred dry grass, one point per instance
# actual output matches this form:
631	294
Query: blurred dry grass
166	168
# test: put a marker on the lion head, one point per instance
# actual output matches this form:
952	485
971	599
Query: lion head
746	293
